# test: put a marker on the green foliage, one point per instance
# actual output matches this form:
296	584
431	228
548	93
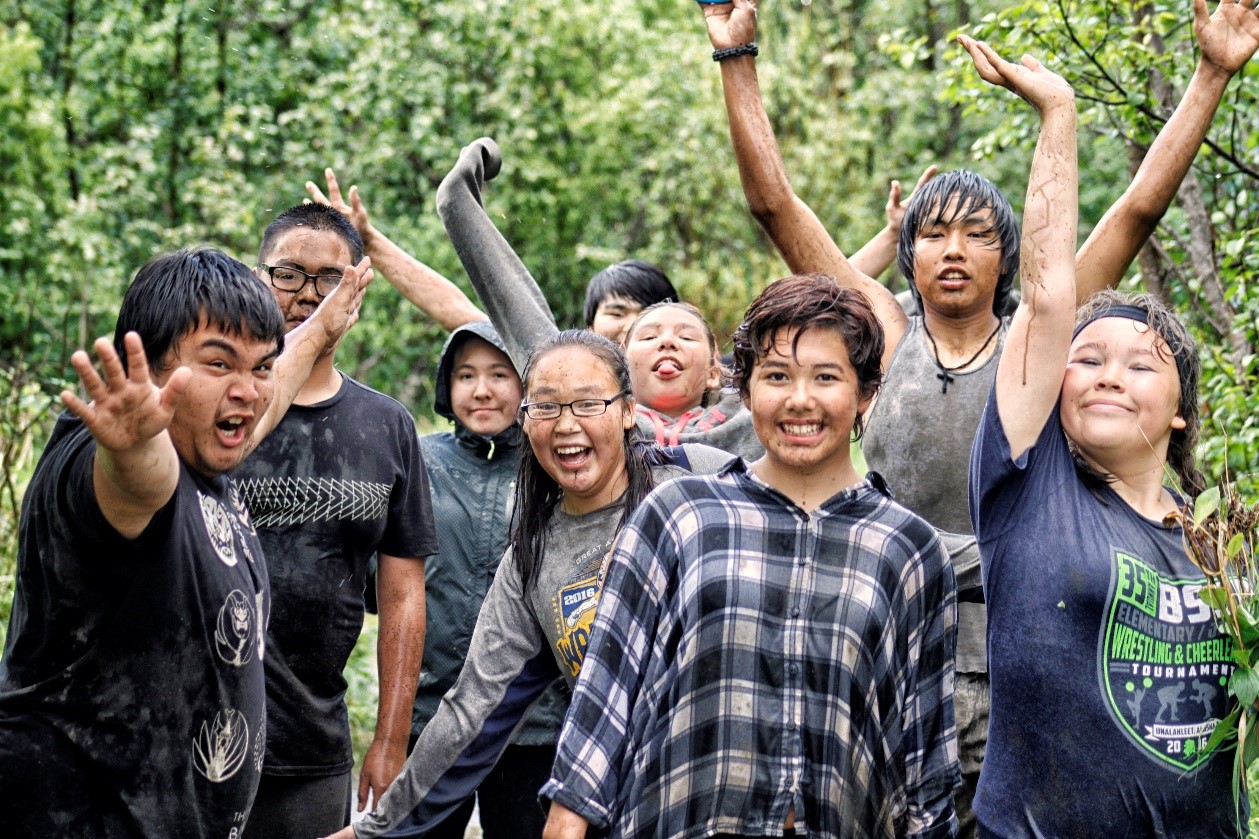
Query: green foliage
131	128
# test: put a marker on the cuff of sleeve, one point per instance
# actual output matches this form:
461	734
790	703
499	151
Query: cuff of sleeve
598	816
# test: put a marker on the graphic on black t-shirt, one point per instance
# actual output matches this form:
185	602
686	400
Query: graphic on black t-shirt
222	746
236	634
218	523
1164	665
242	512
280	502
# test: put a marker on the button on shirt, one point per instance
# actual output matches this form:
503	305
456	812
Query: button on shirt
749	658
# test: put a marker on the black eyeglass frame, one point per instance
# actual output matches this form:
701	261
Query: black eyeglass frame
317	279
571	406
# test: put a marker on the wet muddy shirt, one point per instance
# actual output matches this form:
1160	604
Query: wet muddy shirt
334	483
139	663
1108	675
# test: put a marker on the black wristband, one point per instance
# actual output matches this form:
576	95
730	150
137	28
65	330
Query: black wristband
733	52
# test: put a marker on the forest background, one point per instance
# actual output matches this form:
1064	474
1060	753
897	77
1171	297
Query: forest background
131	128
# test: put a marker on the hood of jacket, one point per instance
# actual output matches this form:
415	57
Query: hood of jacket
508	438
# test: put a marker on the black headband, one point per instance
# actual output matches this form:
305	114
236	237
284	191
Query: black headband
1180	350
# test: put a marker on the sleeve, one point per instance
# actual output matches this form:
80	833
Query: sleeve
592	750
71	500
929	737
508	292
507	669
998	482
409	530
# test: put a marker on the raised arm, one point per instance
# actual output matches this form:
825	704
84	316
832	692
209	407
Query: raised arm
303	346
507	290
1228	39
1029	375
428	291
790	223
880	252
136	468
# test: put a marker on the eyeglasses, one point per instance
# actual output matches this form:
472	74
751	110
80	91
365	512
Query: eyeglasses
579	407
295	279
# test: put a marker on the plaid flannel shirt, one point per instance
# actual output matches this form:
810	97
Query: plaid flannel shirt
749	658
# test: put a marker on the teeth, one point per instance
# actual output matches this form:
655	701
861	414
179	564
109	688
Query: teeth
235	421
803	430
570	449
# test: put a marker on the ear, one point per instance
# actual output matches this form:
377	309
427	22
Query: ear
863	405
629	416
1178	423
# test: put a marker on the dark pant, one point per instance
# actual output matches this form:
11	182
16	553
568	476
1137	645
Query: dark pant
970	711
508	797
299	808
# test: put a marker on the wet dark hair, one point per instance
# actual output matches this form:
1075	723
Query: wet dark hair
176	292
811	301
632	279
1177	343
711	395
317	217
537	493
972	193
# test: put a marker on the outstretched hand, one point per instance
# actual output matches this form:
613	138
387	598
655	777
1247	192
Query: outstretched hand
731	24
1228	37
354	210
895	209
126	407
1039	86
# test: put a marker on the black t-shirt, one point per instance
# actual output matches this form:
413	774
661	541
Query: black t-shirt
1108	672
133	668
332	485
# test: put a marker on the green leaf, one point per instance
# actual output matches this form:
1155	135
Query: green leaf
1244	684
1206	504
1236	544
1224	731
1214	596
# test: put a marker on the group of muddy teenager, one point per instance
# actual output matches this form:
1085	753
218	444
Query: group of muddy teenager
652	594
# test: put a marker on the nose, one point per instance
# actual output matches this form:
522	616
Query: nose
667	339
800	395
480	388
1110	375
243	388
567	422
953	244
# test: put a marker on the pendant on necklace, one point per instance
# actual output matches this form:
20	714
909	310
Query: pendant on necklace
944	378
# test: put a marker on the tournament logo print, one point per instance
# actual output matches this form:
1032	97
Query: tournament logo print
218	523
1164	666
237	630
222	746
576	604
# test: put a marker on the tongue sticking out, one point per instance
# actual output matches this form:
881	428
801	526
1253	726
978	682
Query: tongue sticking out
668	369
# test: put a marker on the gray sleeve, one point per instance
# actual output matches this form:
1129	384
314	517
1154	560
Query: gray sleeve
484	705
706	460
508	292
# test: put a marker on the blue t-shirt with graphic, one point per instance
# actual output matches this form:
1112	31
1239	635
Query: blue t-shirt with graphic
1108	674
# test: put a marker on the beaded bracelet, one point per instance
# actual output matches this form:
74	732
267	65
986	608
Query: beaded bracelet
733	52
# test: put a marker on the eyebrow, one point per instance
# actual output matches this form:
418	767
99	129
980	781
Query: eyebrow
1101	346
583	391
293	263
826	365
224	346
